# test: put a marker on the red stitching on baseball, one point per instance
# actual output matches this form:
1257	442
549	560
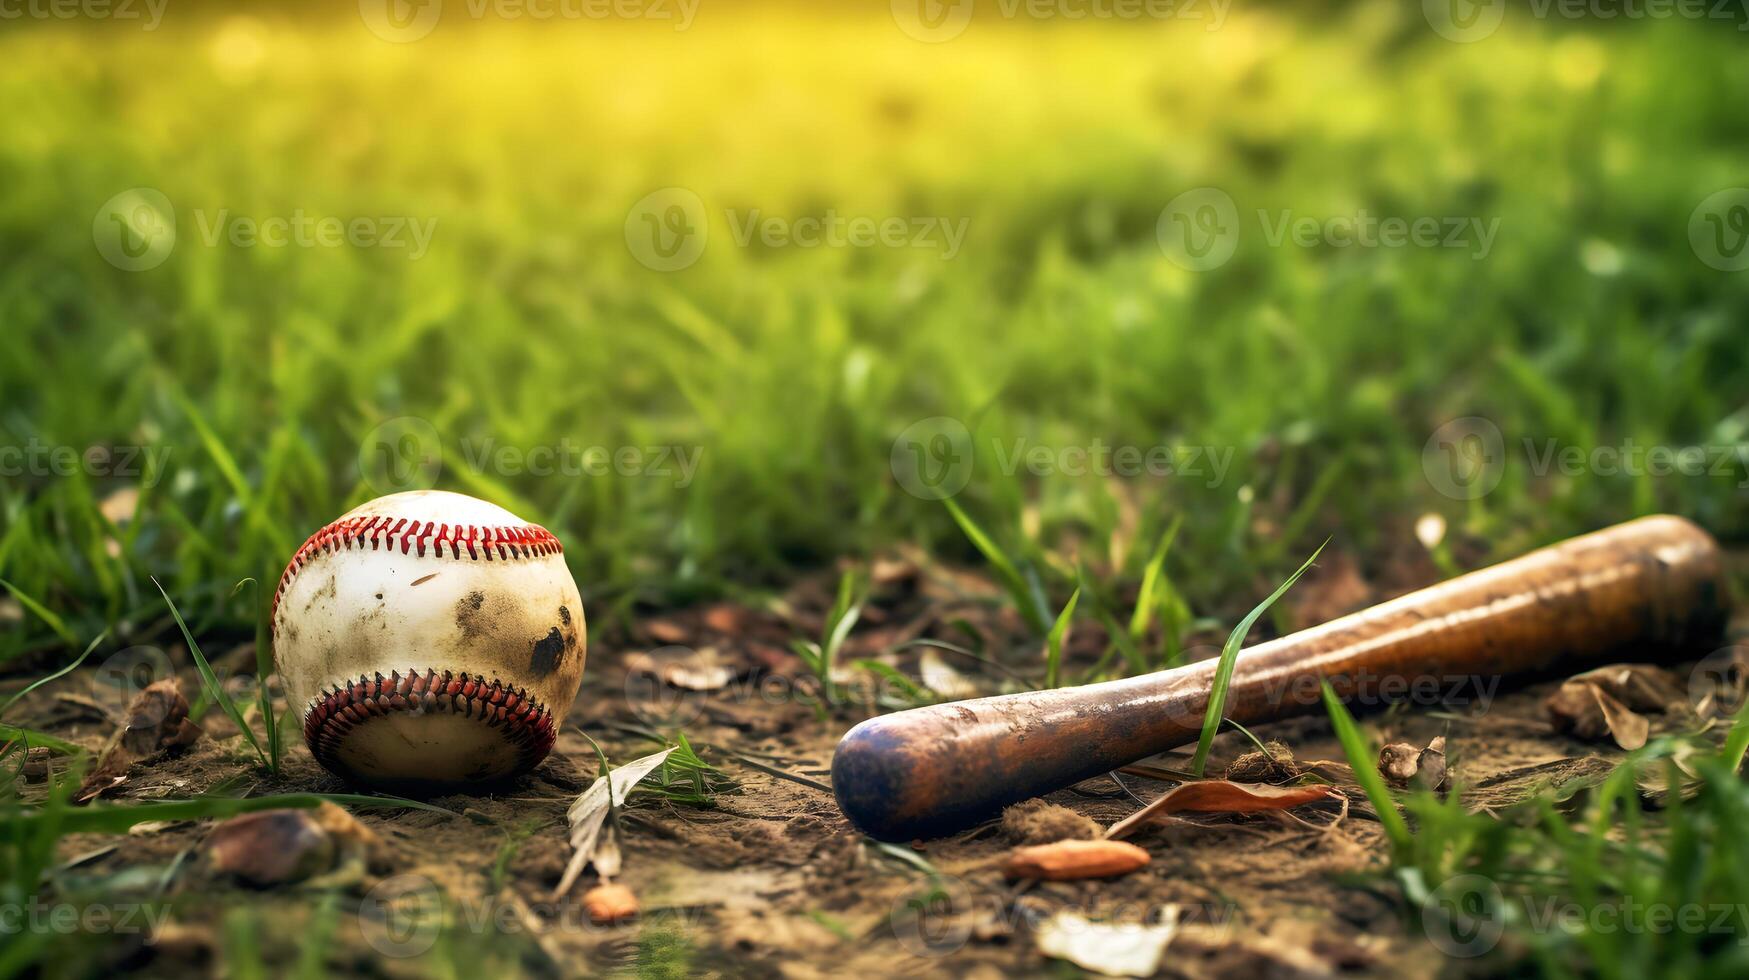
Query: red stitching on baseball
495	543
524	722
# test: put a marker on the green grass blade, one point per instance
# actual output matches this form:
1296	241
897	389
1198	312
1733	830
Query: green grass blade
264	670
9	733
1211	719
210	681
1737	742
1366	773
64	671
1144	614
43	613
1054	642
1005	568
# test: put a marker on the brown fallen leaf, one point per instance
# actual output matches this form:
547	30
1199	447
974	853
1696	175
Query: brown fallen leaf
272	847
667	631
1403	764
607	904
1630	729
688	670
157	722
1642	687
1582	706
1071	860
725	617
279	847
1222	796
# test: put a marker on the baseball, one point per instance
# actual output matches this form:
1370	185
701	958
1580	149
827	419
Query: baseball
429	639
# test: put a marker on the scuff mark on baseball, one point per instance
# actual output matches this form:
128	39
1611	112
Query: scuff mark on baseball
429	639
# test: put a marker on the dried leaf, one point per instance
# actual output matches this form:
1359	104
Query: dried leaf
1630	730
726	617
1402	764
588	813
1583	707
688	670
667	631
1641	687
272	847
1128	949
607	904
1221	796
943	679
157	721
1071	860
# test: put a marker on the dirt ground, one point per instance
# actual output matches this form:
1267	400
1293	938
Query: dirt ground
769	879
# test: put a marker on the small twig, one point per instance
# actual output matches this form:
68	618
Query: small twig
774	771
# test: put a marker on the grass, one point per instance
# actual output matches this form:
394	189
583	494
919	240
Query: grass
1603	884
1223	678
258	377
233	399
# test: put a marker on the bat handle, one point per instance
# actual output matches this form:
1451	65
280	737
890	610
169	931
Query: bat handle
1655	583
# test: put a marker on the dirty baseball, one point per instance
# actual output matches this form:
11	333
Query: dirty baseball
429	639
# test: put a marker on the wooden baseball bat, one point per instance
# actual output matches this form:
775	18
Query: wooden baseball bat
1654	584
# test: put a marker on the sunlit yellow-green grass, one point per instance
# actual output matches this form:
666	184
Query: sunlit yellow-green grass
259	374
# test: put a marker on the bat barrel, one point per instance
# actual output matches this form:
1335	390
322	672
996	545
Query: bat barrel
1654	584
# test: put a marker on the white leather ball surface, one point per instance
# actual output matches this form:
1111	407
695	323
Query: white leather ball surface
429	638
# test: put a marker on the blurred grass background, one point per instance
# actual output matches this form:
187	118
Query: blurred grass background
262	370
